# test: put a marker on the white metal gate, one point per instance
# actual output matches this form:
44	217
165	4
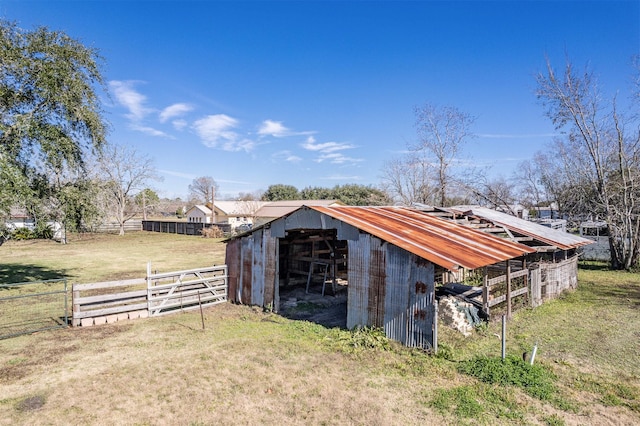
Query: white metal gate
184	290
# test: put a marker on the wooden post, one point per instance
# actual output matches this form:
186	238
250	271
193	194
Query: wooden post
435	326
75	294
213	207
508	290
504	337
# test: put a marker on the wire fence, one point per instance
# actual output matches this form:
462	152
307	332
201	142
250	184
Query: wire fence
33	306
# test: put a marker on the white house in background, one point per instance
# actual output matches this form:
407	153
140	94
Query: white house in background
199	214
237	213
517	210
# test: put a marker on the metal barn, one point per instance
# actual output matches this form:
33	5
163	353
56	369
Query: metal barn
387	256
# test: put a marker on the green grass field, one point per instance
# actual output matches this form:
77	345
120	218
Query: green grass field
248	366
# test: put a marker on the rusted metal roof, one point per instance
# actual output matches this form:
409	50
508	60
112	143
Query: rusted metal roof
553	237
443	242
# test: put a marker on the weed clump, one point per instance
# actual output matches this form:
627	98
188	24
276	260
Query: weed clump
361	338
535	380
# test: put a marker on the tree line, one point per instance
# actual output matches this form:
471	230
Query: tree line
56	160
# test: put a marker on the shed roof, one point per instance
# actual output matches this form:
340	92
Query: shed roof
239	208
443	242
553	237
281	208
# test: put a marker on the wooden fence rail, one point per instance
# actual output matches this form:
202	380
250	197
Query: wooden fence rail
156	294
539	282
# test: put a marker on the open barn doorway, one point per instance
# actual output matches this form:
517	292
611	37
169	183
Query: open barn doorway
312	280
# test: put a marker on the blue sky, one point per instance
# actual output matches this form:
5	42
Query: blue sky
322	93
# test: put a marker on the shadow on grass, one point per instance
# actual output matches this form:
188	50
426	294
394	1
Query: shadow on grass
10	274
620	292
592	265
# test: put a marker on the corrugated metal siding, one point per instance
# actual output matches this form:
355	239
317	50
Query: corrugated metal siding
257	270
358	279
396	315
377	281
392	288
246	271
270	265
232	259
421	304
442	242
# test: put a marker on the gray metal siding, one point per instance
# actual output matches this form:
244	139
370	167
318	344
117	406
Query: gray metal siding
409	298
257	270
358	279
421	304
391	288
397	294
310	219
270	250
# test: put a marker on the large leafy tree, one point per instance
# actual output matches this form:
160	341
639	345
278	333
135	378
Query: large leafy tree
281	192
50	115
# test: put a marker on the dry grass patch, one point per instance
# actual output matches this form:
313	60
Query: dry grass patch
247	366
106	257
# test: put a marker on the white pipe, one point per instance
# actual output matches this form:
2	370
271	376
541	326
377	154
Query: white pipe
533	353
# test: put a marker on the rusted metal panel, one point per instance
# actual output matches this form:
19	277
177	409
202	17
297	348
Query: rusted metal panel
270	264
246	272
440	241
377	280
409	302
257	269
421	309
232	260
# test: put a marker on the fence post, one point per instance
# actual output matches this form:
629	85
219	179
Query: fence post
75	295
485	292
508	289
149	287
504	337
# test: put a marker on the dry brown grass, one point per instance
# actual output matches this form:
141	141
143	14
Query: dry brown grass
106	257
251	367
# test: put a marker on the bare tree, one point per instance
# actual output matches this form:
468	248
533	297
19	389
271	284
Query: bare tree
203	189
409	180
495	193
598	159
124	173
443	132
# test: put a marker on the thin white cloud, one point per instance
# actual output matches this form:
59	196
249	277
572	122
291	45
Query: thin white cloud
342	178
178	174
175	110
311	145
337	158
217	131
273	128
179	124
287	156
150	131
128	97
279	130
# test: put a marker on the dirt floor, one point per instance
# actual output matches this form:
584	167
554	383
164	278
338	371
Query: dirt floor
329	310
